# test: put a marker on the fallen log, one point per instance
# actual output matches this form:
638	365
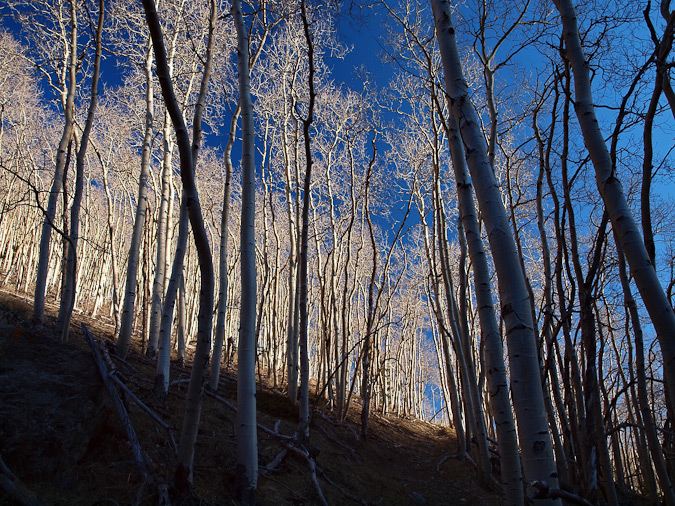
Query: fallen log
141	464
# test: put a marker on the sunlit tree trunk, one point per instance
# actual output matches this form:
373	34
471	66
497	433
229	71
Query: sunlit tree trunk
511	475
247	440
113	253
222	265
653	295
370	311
159	280
68	100
444	336
184	478
127	319
219	336
70	280
161	387
528	399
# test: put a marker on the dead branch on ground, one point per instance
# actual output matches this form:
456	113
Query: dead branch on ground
12	486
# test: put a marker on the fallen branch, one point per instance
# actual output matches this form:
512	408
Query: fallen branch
149	411
545	492
274	462
119	405
12	486
291	443
124	362
351	450
300	450
232	407
457	456
220	399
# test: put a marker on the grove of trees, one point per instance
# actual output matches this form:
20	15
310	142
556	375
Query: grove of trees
477	231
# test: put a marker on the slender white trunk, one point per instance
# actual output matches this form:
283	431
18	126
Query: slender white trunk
653	295
222	266
181	322
528	397
113	254
44	257
68	295
164	343
158	283
127	319
511	475
247	437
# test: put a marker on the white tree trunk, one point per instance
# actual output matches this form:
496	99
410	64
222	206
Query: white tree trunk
219	337
164	344
183	477
127	319
509	458
247	437
642	270
528	397
159	280
57	185
69	283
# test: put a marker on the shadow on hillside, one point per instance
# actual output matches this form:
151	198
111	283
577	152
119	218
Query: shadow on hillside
61	436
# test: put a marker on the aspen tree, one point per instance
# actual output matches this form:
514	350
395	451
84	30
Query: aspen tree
110	206
528	398
304	241
68	92
642	270
70	277
548	336
214	374
219	335
127	319
164	355
247	439
496	371
165	211
188	437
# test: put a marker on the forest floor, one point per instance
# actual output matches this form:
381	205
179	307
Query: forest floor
60	435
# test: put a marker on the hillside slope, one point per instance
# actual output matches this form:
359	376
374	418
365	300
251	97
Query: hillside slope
61	436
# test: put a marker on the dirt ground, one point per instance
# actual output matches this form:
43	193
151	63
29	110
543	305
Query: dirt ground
61	436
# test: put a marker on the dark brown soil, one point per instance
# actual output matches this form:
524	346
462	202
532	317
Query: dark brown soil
61	436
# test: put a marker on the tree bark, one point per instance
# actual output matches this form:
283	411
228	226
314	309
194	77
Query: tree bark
70	281
247	439
222	265
509	458
127	319
642	270
57	184
164	357
528	398
188	437
304	238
